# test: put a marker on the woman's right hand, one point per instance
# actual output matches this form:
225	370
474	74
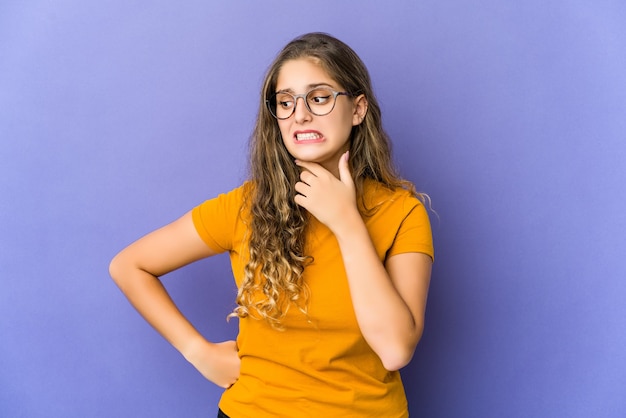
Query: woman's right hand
218	362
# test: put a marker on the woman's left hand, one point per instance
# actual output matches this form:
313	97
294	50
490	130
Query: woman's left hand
325	196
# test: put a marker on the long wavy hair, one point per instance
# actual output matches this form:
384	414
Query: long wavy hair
273	278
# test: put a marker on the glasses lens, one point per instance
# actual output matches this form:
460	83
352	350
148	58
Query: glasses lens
320	101
281	105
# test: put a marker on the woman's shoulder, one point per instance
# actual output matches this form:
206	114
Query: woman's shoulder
376	194
238	192
228	200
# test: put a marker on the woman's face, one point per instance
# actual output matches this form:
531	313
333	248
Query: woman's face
307	137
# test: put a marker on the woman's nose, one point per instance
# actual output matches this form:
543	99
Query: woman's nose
302	113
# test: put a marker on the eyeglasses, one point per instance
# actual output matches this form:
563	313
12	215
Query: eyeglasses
319	101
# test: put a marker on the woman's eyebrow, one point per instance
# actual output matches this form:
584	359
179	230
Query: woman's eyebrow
309	87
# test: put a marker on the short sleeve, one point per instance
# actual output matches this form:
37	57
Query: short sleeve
414	234
216	219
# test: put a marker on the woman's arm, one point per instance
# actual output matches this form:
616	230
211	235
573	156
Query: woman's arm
389	300
136	270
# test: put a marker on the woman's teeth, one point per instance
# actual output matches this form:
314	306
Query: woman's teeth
307	136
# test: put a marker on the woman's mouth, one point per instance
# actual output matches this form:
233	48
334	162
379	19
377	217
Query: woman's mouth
308	137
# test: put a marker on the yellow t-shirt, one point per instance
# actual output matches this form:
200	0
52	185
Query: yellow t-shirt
318	366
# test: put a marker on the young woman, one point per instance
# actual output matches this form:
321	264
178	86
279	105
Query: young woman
330	249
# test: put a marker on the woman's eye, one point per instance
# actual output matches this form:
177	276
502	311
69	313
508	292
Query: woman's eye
320	99
319	96
285	104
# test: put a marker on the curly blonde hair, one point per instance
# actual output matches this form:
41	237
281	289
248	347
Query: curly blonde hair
273	275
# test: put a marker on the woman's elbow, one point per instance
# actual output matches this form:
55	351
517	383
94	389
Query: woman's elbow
116	269
397	357
396	361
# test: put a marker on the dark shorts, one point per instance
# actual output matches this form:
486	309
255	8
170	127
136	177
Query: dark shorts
220	414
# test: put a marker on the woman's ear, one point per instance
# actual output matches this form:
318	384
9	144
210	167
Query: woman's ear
360	110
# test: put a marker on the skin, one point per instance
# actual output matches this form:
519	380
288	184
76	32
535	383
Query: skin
299	76
136	270
389	300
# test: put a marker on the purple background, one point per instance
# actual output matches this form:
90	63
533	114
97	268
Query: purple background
117	117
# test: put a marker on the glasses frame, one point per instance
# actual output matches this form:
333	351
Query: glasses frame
268	102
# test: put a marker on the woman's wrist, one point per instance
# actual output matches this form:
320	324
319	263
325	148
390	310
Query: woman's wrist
195	348
350	223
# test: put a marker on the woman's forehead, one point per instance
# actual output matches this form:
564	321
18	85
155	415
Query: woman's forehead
303	73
